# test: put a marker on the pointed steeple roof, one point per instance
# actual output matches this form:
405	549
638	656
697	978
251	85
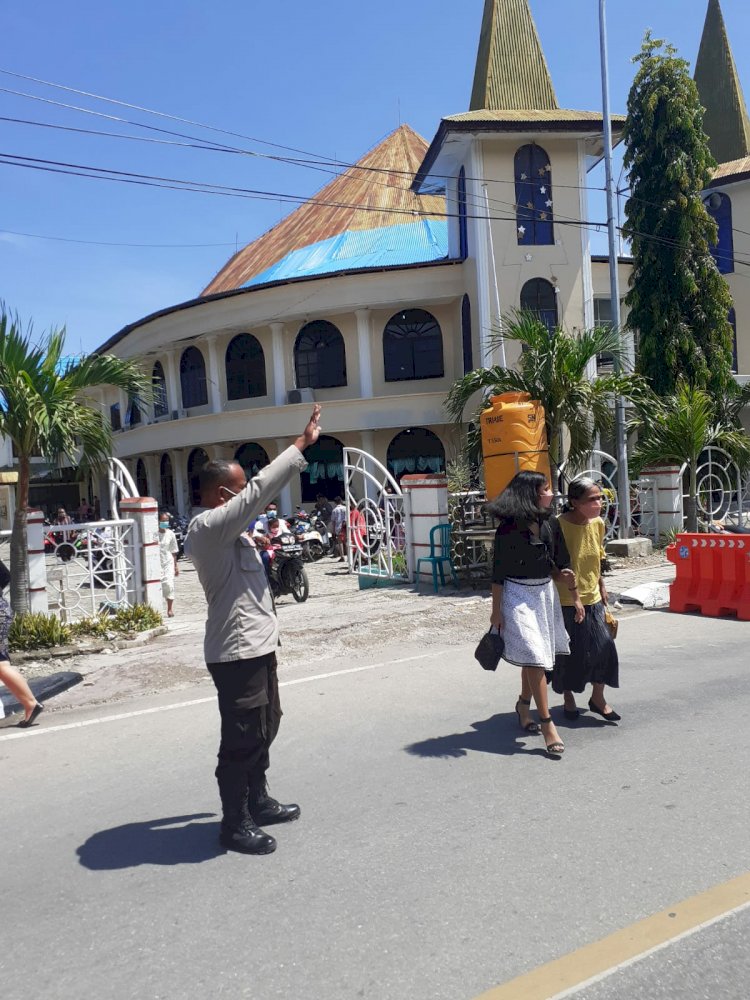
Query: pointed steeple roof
511	72
726	121
374	193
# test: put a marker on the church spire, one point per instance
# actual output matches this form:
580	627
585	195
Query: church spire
511	72
726	121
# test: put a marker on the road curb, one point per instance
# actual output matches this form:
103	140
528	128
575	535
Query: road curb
43	688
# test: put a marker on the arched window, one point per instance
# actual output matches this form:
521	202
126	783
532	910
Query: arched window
245	367
539	297
141	479
193	378
197	459
320	356
719	207
325	469
159	383
466	335
533	174
732	317
417	449
412	347
252	458
166	482
463	234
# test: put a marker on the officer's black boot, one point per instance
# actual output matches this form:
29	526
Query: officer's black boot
238	831
267	810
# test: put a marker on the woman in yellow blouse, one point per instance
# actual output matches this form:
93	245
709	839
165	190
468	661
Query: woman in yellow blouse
593	655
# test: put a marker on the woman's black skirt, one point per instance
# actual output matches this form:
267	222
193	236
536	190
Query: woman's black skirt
593	654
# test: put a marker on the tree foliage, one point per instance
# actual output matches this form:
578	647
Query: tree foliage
44	411
554	368
679	303
679	428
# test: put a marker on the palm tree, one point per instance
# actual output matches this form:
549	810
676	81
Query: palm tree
679	428
554	368
44	411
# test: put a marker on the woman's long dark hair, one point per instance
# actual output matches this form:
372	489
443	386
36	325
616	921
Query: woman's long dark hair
519	501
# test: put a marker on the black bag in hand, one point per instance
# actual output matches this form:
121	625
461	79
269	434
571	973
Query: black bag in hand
490	650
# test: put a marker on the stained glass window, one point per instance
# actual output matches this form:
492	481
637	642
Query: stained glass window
533	173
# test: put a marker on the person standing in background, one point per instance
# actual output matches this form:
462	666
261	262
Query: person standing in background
338	527
168	553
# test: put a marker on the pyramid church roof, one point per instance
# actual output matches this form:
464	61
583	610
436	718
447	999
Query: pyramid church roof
372	197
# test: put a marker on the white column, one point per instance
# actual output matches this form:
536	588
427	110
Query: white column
480	240
214	385
279	373
285	493
171	374
144	512
178	481
38	603
364	347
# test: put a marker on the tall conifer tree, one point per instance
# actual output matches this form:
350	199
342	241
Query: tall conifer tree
679	303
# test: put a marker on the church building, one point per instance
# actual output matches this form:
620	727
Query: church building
385	287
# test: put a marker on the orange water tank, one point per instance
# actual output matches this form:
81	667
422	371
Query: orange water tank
514	439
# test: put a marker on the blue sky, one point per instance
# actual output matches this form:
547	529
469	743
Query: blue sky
332	78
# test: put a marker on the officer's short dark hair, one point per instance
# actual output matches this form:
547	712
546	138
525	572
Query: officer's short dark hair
218	472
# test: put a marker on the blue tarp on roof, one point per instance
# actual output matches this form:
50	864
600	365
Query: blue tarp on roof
390	246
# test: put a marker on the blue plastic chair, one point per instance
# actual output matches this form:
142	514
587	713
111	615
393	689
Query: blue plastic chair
440	552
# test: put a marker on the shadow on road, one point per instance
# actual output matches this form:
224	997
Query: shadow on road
174	840
499	735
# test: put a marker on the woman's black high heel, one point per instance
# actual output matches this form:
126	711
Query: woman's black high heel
555	749
531	726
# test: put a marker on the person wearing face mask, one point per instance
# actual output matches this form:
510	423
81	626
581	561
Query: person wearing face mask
242	635
168	552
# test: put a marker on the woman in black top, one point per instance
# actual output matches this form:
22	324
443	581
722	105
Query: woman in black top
9	676
529	552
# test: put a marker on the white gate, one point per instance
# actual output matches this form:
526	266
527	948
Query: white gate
723	494
121	485
376	519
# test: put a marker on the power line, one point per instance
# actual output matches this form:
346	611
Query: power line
107	243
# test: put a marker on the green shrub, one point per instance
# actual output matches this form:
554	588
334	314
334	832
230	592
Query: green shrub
139	618
99	627
37	631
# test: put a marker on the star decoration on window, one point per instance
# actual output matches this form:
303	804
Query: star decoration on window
542	171
529	204
543	189
543	216
522	230
548	203
548	169
524	177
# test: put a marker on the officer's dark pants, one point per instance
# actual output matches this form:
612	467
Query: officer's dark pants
248	692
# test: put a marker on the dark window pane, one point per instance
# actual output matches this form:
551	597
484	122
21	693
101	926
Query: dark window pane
466	335
412	347
538	296
114	417
320	356
159	382
463	235
245	367
193	378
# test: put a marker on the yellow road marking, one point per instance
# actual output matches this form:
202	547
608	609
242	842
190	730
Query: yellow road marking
567	975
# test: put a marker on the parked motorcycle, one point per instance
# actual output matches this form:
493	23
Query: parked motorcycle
286	574
312	535
179	525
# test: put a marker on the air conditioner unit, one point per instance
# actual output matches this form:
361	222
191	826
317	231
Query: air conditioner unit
179	414
300	396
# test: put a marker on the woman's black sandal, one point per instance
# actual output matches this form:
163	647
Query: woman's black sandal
607	716
531	726
555	749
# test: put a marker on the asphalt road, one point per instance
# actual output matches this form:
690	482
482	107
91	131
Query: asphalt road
439	855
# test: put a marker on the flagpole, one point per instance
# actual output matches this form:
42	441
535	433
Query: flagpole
621	440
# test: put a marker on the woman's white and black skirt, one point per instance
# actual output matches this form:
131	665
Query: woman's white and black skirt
534	628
